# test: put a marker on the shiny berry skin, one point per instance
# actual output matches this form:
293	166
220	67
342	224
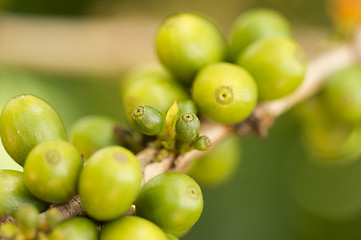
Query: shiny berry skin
52	170
202	143
25	121
256	24
109	182
78	228
131	227
171	200
278	65
187	42
187	126
92	133
171	237
27	217
187	106
153	87
327	139
225	93
219	164
342	94
147	120
14	194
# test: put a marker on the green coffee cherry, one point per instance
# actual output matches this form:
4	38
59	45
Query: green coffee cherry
171	200
327	139
171	237
27	217
131	227
187	42
51	171
14	194
225	93
28	220
53	218
187	126
8	230
153	87
92	133
342	94
109	182
147	120
187	106
278	65
26	121
143	71
78	228
218	165
256	24
331	142
202	143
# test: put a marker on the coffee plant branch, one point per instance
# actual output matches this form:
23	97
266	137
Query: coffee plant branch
21	35
260	121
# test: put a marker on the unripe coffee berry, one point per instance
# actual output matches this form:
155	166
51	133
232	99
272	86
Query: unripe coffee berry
225	93
147	120
26	121
187	126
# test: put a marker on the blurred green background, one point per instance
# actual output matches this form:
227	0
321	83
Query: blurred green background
278	192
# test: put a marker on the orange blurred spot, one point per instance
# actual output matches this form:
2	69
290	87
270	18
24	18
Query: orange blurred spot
345	13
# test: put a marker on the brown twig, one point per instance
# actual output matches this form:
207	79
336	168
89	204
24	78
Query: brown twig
69	209
6	218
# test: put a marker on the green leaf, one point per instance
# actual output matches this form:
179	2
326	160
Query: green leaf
171	118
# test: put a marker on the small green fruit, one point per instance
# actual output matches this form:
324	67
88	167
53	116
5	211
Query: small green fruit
132	228
153	87
109	183
218	165
256	24
92	133
225	93
78	228
140	72
202	143
171	200
14	194
171	237
187	106
342	94
187	42
147	120
52	170
27	217
53	217
278	65
187	127
328	140
8	230
26	121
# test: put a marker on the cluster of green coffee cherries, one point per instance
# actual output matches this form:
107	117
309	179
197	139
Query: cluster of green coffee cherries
202	73
108	184
331	120
261	62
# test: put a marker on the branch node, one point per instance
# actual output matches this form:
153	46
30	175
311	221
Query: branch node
5	218
259	123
